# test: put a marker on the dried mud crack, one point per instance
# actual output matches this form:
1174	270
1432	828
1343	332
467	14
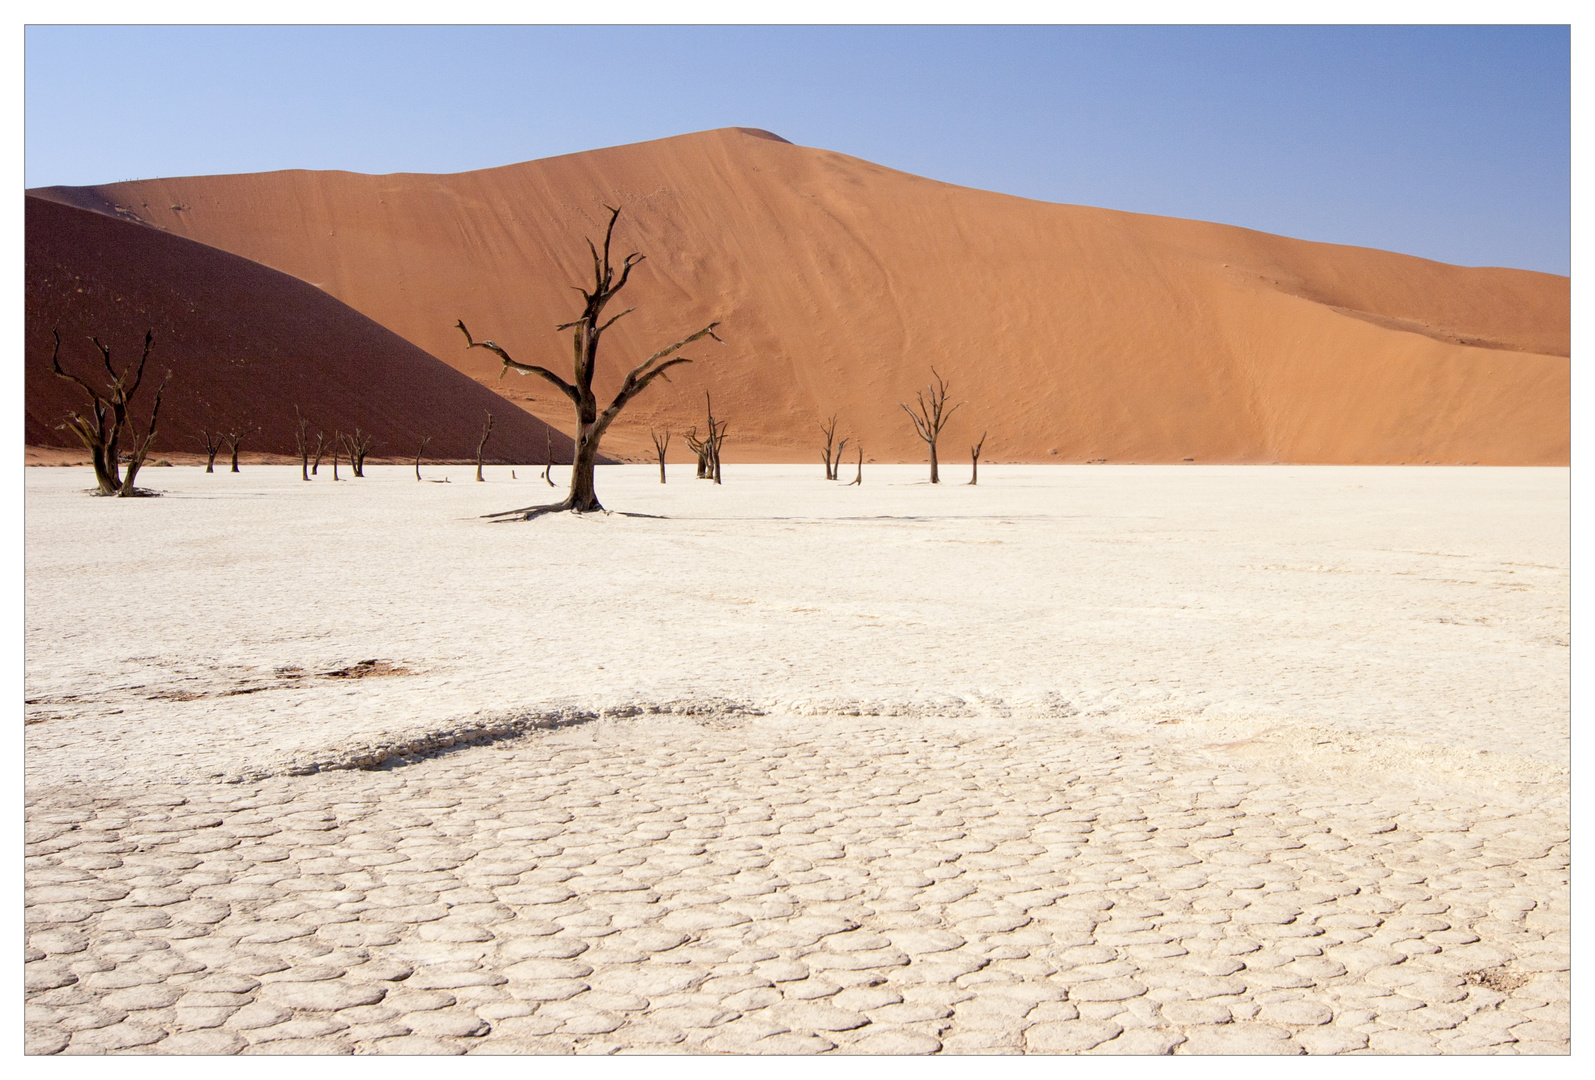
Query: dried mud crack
810	885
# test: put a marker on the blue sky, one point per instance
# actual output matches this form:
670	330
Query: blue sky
1449	143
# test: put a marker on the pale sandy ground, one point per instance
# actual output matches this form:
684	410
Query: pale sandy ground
1083	759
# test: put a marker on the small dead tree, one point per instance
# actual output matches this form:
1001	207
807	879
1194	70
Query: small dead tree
832	454
700	448
357	446
213	445
418	451
101	429
587	328
487	429
974	459
302	441
932	415
321	448
661	444
337	440
235	437
716	438
859	478
548	456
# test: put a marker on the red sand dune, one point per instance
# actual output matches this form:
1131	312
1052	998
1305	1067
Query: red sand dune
1073	333
244	344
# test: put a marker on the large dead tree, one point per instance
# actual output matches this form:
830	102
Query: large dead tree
588	328
974	459
487	429
932	415
100	430
661	444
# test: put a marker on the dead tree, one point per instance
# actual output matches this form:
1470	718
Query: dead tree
302	441
418	450
859	478
932	414
101	429
233	439
661	444
716	438
832	454
337	440
700	448
487	429
213	445
357	446
587	328
548	457
321	448
974	459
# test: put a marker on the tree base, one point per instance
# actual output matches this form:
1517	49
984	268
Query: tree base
527	513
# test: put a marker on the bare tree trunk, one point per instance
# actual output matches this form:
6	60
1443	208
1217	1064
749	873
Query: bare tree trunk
859	479
101	430
302	440
661	445
233	439
335	440
424	440
486	431
358	446
974	460
136	460
548	457
586	331
321	443
828	429
213	445
930	418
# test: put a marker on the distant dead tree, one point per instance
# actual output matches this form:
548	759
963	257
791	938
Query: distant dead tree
487	429
859	478
337	441
700	448
236	436
833	450
321	448
101	429
708	448
302	441
974	459
418	450
661	444
932	414
213	445
357	446
548	456
591	424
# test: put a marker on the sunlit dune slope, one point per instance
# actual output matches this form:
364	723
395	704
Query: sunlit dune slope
1072	333
245	344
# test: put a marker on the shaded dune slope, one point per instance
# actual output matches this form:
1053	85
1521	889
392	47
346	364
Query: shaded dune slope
244	344
1074	333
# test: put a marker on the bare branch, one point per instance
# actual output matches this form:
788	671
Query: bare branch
525	369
